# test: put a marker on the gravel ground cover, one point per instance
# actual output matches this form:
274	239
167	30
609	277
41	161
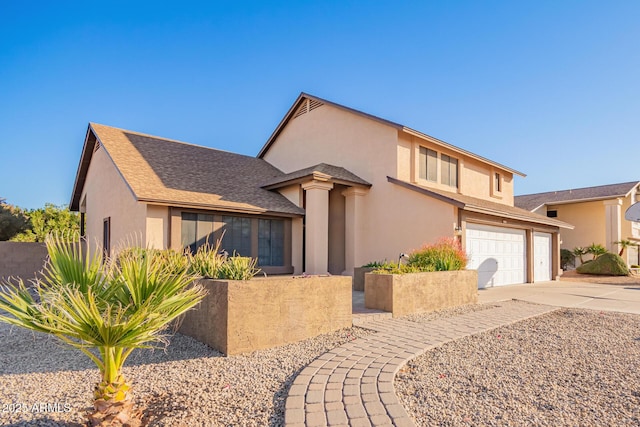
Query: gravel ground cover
566	368
43	383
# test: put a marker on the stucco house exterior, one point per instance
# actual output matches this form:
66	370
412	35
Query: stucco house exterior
596	212
333	188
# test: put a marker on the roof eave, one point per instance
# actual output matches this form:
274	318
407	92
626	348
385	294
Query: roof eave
294	107
222	208
478	209
81	173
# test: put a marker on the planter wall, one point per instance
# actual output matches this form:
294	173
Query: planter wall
358	277
403	294
243	316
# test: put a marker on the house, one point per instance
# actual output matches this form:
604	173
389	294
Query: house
333	188
596	212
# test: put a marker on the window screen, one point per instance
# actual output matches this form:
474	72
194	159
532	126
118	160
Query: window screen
428	164
449	168
270	242
237	235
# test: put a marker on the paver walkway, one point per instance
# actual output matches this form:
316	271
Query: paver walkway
352	385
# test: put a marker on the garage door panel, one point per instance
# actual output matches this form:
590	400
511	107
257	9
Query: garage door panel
497	253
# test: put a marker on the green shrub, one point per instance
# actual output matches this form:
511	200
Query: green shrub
445	255
635	266
374	264
393	268
608	264
566	258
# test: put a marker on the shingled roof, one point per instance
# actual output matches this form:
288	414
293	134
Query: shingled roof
531	202
474	204
320	171
170	172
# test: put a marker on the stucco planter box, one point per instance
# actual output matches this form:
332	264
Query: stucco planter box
403	294
358	277
243	316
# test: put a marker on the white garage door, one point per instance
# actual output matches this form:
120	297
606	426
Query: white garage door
541	257
497	253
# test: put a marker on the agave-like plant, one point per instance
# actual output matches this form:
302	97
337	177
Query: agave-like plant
104	309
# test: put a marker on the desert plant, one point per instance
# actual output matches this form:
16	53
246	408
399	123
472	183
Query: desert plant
207	261
238	268
566	258
445	255
106	310
395	268
624	244
596	250
579	251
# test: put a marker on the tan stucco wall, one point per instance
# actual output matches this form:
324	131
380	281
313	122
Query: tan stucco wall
22	260
243	316
157	227
392	219
589	220
403	294
107	195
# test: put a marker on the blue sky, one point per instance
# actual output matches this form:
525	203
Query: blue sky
549	88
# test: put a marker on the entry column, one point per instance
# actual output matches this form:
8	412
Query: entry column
353	228
612	224
317	226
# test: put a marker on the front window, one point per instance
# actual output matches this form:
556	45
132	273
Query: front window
271	242
498	182
197	230
237	235
449	171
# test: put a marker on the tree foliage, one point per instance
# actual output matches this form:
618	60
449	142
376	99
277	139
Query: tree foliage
50	219
12	221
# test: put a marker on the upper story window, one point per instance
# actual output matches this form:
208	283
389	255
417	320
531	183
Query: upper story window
497	182
428	164
552	214
449	171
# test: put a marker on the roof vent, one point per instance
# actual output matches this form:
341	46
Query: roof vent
96	146
306	106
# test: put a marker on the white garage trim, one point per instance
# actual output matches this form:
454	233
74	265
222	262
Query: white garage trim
498	253
542	257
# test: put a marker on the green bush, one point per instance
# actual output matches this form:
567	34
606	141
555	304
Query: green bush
566	258
608	264
444	255
393	268
207	261
374	264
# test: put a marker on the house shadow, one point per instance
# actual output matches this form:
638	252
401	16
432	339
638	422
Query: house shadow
26	352
486	273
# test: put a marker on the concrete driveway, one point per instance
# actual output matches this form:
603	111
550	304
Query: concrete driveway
621	298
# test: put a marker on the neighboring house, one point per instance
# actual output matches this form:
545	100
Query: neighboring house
596	212
332	189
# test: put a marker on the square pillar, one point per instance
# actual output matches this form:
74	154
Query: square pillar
613	209
353	228
317	226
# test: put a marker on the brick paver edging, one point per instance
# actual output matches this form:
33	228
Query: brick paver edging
352	385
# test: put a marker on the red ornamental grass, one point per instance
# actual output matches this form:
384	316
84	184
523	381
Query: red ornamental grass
444	255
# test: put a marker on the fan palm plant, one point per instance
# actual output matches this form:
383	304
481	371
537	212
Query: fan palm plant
104	309
624	244
579	251
596	250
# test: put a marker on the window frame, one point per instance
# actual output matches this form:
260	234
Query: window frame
448	169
